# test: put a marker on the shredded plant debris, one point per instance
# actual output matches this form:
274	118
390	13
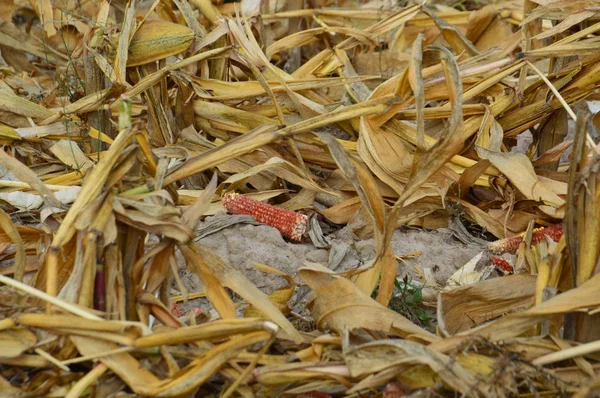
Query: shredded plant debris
130	129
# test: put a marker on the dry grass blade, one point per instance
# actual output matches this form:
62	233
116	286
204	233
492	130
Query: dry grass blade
99	174
450	143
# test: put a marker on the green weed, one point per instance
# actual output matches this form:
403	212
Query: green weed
408	301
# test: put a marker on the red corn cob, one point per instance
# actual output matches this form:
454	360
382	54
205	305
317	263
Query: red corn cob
292	225
511	244
176	310
502	264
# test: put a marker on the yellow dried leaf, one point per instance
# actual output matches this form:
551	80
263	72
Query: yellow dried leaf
340	304
279	297
518	169
7	132
471	305
14	342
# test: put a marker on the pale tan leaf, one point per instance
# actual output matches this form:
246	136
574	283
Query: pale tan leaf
26	175
15	341
468	306
518	169
340	304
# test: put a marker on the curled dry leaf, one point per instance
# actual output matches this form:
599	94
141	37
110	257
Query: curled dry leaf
339	305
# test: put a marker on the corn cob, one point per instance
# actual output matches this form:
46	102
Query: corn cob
511	244
502	264
292	225
157	39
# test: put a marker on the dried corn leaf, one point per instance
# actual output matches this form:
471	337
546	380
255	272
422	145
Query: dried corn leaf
469	306
343	109
518	169
580	298
339	304
15	341
278	297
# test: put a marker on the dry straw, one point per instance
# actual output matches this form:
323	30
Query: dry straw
123	124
